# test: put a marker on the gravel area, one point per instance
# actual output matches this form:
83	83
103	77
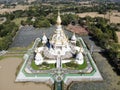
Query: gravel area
89	42
111	80
27	34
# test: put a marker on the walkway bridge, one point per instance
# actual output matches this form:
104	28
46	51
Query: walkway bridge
58	86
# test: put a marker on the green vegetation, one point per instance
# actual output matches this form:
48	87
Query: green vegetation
78	43
18	68
101	8
114	52
104	35
34	66
41	23
43	66
7	32
44	16
18	21
20	48
40	44
68	18
1	57
19	55
73	65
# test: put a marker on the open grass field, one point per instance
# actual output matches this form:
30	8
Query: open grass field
18	7
114	16
18	20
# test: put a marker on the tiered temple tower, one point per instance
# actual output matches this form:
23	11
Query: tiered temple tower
59	40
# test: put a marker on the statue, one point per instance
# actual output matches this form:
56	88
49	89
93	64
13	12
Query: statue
44	39
38	57
79	57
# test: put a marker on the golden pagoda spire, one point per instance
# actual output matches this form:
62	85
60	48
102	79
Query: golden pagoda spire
59	18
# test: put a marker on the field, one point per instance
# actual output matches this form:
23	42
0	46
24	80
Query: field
18	7
8	68
18	20
114	16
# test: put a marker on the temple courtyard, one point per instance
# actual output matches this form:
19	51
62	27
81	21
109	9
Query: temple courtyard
46	61
7	76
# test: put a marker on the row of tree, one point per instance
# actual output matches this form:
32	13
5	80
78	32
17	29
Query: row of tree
101	8
7	32
105	36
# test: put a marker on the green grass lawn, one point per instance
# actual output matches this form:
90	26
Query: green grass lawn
21	48
69	65
10	55
18	20
43	66
35	67
2	57
73	65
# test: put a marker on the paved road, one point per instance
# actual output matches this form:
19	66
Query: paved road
26	35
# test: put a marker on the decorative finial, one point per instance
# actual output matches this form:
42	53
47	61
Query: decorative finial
59	18
58	11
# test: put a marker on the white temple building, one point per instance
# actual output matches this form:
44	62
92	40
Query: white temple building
73	39
59	46
44	39
63	55
38	57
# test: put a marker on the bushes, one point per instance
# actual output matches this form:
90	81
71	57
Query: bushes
114	51
74	65
68	18
105	36
7	32
42	23
38	23
43	66
5	42
101	30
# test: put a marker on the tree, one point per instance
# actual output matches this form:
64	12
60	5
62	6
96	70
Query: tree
7	32
68	18
42	23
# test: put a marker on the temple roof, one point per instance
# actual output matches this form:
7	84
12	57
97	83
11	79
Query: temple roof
59	37
73	37
44	38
